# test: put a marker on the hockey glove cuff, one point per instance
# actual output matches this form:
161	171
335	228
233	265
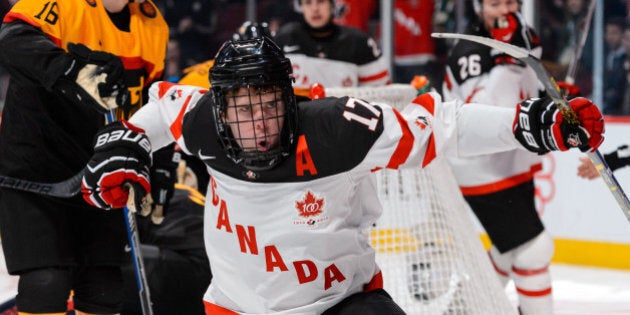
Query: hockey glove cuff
540	126
121	156
94	78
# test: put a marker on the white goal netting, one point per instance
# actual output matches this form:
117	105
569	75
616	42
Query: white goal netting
427	246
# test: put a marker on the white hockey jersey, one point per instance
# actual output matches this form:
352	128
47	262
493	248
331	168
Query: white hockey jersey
295	239
472	76
347	57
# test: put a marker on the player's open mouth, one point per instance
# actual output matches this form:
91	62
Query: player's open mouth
263	145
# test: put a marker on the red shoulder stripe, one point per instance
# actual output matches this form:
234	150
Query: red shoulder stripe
176	127
163	87
426	100
430	154
14	16
405	144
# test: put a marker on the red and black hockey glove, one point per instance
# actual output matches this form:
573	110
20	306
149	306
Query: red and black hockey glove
94	78
512	29
121	157
541	127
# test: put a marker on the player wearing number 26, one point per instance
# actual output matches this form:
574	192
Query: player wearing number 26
290	199
499	187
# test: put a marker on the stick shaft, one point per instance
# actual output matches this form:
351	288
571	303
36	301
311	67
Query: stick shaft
138	262
134	242
570	77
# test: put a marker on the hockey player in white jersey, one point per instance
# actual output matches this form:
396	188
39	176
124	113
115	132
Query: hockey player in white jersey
499	187
324	52
287	216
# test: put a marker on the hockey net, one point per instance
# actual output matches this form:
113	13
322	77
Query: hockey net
431	256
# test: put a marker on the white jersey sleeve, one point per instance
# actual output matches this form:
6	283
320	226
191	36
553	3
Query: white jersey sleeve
428	127
161	118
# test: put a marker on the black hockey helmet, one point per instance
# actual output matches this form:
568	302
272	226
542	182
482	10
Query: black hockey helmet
254	63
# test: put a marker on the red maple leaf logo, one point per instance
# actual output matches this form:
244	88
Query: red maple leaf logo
310	205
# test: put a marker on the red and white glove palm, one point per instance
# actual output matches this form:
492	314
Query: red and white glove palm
121	157
541	127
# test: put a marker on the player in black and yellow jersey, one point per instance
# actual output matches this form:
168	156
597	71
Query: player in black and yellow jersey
70	61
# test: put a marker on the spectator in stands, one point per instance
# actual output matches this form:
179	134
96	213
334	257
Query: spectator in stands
330	54
278	13
575	12
192	24
552	36
173	66
499	187
70	61
614	70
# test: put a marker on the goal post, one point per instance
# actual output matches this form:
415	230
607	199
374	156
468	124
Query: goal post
426	243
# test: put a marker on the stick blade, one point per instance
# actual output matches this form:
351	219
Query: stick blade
514	51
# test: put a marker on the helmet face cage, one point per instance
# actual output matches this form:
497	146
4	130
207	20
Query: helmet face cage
254	106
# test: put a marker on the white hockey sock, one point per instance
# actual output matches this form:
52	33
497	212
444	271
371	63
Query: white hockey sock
534	290
501	264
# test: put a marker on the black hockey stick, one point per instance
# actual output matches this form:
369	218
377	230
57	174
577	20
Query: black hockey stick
134	241
553	91
65	189
136	254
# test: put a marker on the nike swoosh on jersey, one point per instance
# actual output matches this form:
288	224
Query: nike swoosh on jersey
205	157
289	49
